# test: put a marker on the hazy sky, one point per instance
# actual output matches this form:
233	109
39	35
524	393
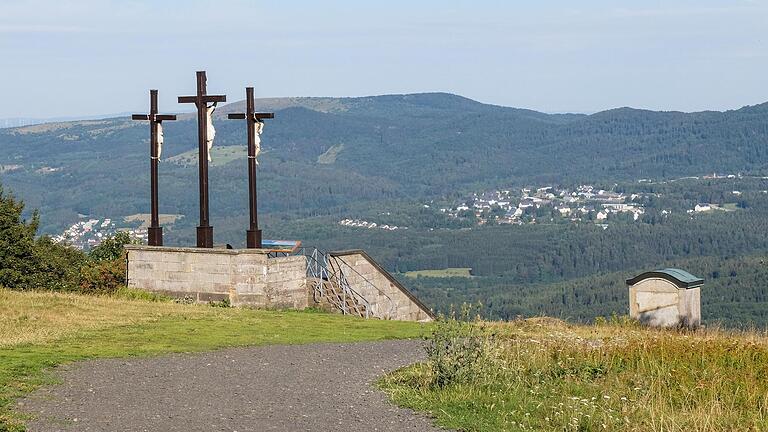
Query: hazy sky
67	58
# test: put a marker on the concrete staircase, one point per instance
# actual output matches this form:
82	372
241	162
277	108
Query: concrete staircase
332	297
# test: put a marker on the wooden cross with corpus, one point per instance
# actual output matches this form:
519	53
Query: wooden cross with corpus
253	235
155	231
204	230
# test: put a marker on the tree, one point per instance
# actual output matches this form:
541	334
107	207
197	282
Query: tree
111	248
17	243
27	262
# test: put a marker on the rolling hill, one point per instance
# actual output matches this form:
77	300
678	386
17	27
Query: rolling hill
384	147
383	157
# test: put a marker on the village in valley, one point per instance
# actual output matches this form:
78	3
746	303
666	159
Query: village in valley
583	203
587	203
89	233
546	203
358	223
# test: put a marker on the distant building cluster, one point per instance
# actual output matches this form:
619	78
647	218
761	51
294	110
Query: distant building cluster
585	202
357	223
9	168
88	234
708	207
47	170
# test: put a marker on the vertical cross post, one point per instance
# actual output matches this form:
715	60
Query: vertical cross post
253	235
201	99
155	231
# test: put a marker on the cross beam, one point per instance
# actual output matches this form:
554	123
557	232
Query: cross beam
253	235
204	230
155	231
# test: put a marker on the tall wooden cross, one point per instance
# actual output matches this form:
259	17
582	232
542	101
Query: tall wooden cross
253	235
155	231
204	230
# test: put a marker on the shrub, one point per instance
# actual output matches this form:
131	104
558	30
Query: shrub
30	263
111	248
456	347
57	265
17	243
104	272
102	277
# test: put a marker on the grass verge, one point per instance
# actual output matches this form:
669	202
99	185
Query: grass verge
545	375
39	331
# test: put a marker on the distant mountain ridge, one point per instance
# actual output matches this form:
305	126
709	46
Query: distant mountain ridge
16	122
410	146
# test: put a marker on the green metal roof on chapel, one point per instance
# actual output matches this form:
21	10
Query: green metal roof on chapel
681	278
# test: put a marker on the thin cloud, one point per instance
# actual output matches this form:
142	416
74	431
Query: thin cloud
677	12
40	28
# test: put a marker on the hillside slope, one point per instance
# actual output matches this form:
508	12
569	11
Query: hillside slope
395	146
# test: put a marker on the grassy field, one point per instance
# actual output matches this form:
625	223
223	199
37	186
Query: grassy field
545	375
449	272
145	219
39	331
330	155
220	155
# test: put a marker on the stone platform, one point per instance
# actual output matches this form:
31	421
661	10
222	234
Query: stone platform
250	277
241	276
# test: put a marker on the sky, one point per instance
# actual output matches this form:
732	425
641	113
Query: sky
90	57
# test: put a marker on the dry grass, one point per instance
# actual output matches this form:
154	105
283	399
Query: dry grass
38	317
547	375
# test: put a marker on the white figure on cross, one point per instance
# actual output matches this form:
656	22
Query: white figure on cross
258	127
210	129
159	139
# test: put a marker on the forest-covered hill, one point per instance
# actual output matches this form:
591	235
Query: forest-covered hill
385	147
383	157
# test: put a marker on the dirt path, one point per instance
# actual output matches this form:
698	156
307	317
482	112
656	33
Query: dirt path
320	387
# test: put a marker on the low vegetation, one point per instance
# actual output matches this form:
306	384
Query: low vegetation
545	375
29	262
441	273
40	330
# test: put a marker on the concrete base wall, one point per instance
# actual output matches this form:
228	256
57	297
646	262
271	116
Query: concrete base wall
242	276
388	298
660	303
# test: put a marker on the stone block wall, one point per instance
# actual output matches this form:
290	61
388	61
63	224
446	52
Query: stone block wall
388	298
242	276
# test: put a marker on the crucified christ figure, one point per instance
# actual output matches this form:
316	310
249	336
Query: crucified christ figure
211	132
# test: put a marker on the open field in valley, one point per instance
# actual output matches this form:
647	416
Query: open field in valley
441	273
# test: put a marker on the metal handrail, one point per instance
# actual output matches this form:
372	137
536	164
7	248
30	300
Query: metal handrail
392	304
319	268
343	283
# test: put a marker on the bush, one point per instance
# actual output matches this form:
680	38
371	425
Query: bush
102	277
104	273
111	248
58	266
30	263
17	243
27	262
456	347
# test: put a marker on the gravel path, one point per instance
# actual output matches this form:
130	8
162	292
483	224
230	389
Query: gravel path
319	387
